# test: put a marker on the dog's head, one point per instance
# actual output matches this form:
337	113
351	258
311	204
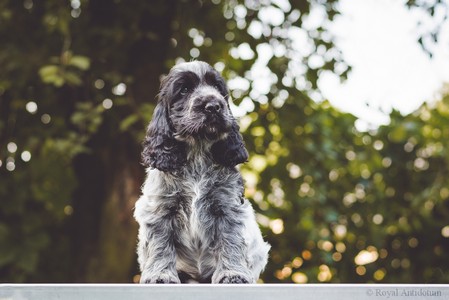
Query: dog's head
192	108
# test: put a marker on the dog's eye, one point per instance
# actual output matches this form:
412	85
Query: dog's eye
184	91
168	145
219	88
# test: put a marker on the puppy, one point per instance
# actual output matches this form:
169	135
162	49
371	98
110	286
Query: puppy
194	220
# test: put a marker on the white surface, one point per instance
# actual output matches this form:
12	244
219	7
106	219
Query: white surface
233	292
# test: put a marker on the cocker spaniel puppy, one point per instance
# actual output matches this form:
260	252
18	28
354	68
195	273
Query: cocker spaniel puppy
194	221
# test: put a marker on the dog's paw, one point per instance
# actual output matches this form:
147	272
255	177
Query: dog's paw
160	278
233	279
229	277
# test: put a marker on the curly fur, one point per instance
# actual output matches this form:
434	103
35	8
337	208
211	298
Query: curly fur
194	221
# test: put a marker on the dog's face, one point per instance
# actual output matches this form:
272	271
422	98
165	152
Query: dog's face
192	109
198	102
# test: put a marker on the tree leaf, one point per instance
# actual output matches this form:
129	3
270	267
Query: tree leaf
80	62
128	121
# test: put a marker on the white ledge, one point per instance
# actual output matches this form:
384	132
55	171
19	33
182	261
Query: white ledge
233	292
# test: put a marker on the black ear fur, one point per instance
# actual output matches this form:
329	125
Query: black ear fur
230	151
160	149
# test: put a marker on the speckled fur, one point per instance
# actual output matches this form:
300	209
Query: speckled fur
193	218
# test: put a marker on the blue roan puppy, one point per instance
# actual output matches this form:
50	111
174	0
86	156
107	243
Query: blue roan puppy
194	220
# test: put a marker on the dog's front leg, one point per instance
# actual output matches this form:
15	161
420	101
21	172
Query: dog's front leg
232	264
224	227
156	250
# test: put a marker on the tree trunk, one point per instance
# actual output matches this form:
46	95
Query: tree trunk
104	230
114	259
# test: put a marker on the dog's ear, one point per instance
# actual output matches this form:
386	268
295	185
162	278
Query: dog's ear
160	149
230	151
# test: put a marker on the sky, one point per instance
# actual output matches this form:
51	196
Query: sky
390	70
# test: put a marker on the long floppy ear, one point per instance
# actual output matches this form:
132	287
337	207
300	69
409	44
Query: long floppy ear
230	151
160	149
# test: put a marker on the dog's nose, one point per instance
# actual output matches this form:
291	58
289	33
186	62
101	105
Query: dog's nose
212	107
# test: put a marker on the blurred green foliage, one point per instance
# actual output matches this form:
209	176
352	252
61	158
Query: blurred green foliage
78	82
340	205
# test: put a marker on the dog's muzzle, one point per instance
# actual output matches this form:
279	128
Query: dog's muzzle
213	107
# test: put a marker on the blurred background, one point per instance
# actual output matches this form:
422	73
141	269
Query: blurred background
343	107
